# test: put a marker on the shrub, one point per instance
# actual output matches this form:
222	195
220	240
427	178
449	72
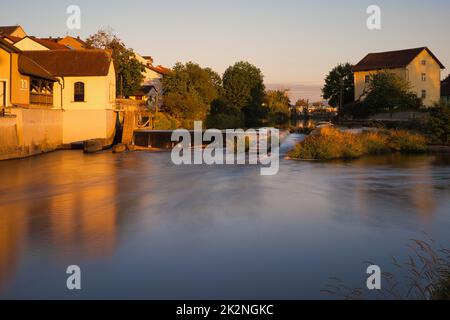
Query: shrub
331	143
375	142
405	141
440	123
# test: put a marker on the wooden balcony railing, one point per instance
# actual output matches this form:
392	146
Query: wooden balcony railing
41	99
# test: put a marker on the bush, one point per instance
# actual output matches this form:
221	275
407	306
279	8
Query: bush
331	143
440	123
165	122
405	141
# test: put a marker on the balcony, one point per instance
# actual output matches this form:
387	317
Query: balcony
41	99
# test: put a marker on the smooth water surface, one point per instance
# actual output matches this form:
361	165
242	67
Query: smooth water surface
141	227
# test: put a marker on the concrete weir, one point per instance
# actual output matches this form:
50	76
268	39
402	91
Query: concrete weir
161	139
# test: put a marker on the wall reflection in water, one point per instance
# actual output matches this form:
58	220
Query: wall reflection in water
60	202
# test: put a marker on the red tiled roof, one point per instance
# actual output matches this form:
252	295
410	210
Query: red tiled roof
7	30
5	45
30	68
73	63
49	44
12	38
391	59
160	69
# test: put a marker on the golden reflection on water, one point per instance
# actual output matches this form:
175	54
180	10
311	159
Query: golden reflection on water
72	205
65	204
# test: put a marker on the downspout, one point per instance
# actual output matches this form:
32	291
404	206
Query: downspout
62	88
10	78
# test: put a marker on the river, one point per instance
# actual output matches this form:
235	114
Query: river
140	227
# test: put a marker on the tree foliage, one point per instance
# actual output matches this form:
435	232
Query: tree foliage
440	122
388	92
244	88
129	71
278	104
223	115
341	77
189	90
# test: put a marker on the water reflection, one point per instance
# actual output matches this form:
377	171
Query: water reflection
59	203
145	228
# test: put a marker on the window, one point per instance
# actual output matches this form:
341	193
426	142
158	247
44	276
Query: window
367	79
23	84
79	92
423	62
424	77
424	94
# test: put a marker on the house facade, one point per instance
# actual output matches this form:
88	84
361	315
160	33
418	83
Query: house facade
85	78
419	66
22	81
151	91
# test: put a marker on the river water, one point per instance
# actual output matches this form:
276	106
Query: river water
140	227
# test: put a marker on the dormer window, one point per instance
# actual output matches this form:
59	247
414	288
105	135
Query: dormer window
79	92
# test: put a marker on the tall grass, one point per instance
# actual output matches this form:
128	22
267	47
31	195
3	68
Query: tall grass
330	143
426	276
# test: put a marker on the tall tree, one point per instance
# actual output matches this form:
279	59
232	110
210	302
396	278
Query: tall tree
339	81
189	90
244	88
129	71
278	104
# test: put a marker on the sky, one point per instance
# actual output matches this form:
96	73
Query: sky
295	43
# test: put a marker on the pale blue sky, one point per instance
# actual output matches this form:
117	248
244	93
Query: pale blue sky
291	41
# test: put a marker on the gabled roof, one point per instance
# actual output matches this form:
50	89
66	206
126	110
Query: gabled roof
392	59
8	30
12	39
8	47
73	63
144	90
49	44
66	39
30	68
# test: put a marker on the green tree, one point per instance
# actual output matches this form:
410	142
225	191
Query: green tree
244	88
278	104
129	71
339	80
189	90
440	122
388	92
223	115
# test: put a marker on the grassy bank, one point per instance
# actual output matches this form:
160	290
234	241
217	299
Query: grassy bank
332	143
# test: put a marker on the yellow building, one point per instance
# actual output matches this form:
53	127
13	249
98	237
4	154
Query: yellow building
418	66
22	81
85	91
